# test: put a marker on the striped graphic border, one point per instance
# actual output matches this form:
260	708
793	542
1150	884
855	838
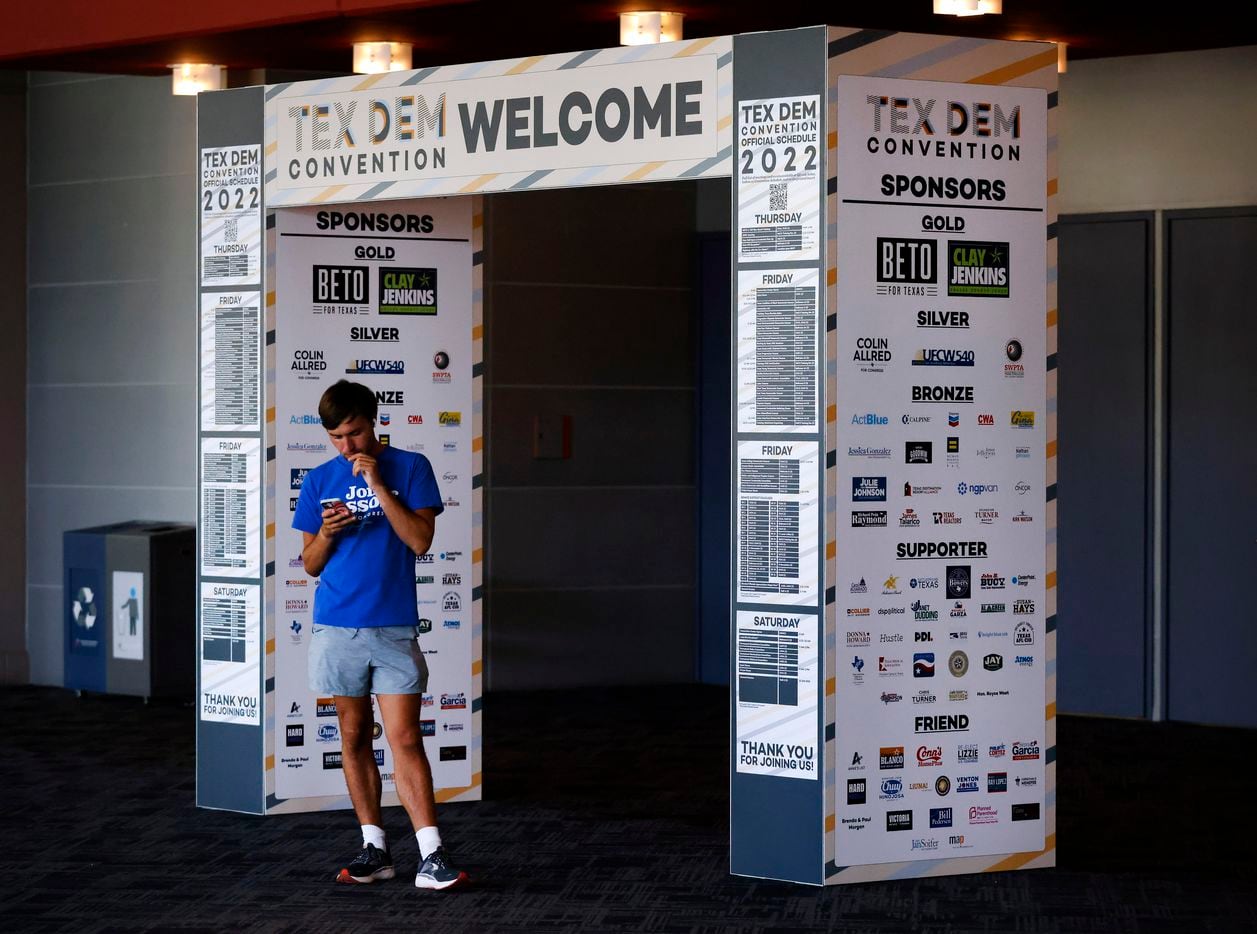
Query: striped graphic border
969	61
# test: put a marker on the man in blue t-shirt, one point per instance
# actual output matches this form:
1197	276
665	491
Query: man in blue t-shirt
364	516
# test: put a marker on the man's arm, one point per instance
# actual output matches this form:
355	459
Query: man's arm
317	546
414	527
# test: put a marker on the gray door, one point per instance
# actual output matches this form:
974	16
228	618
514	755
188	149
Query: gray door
1212	495
1105	291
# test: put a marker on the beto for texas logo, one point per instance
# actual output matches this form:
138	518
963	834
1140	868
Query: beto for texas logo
406	290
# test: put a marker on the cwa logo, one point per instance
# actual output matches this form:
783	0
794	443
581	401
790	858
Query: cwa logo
977	268
407	290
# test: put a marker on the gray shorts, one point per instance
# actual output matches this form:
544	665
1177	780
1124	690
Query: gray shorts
371	660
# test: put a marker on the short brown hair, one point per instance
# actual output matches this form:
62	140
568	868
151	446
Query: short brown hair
344	400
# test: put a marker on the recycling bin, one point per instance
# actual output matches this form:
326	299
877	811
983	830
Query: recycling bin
130	610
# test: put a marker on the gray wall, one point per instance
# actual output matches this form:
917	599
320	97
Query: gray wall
13	658
589	313
112	330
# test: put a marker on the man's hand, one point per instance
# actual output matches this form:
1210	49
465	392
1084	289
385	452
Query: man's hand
336	520
365	466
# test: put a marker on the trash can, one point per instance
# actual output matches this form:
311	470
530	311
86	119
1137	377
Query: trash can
130	609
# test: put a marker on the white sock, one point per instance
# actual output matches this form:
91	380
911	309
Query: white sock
375	835
429	839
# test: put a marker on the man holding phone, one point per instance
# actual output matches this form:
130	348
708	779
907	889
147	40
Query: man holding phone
364	516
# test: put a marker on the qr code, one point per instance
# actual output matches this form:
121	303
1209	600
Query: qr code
231	230
778	199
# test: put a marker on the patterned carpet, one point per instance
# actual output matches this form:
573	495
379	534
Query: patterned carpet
606	811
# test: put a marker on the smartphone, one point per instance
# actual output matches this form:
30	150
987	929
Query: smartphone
334	502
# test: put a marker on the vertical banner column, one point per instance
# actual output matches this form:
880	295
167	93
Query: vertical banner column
231	453
941	396
778	630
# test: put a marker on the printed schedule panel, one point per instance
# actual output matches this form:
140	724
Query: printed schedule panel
231	216
230	617
231	352
231	478
778	169
378	294
778	521
777	668
941	511
777	351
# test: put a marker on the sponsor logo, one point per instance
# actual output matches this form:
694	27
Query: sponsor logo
451	728
958	664
959	577
898	820
892	789
857	669
923	637
942	319
425	626
958	840
407	290
1021	419
939	356
997	752
1023	607
857	790
872	452
454	701
1014	368
1025	811
1024	661
891	698
958	610
916	419
427	728
986	420
377	367
940	817
414	419
1023	634
929	755
985	453
1023	580
325	707
942	786
992	633
451	624
977	269
889	667
910	489
451	580
924	696
890	757
858	638
872	353
1022	487
867	519
958	635
1023	453
909	519
449	419
891	585
1022	517
953	419
868	489
451	447
983	814
1025	751
925	583
996	782
1026	781
918	452
991	582
907	266
966	784
925	843
967	754
994	607
949	394
890	611
452	753
976	489
859	586
986	516
451	603
295	734
993	662
946	518
308	364
296	606
923	665
340	285
857	763
890	637
922	612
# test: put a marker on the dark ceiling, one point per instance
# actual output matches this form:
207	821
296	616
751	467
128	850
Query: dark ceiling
453	31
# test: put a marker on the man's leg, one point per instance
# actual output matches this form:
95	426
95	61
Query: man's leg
411	771
413	777
362	775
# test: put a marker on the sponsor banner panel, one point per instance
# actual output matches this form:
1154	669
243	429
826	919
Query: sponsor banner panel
777	670
229	652
941	349
778	522
777	334
778	166
380	295
231	216
231	348
231	507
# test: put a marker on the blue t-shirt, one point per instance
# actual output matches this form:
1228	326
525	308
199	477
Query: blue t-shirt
369	579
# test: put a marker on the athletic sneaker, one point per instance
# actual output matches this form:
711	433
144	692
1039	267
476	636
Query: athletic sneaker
370	864
436	872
